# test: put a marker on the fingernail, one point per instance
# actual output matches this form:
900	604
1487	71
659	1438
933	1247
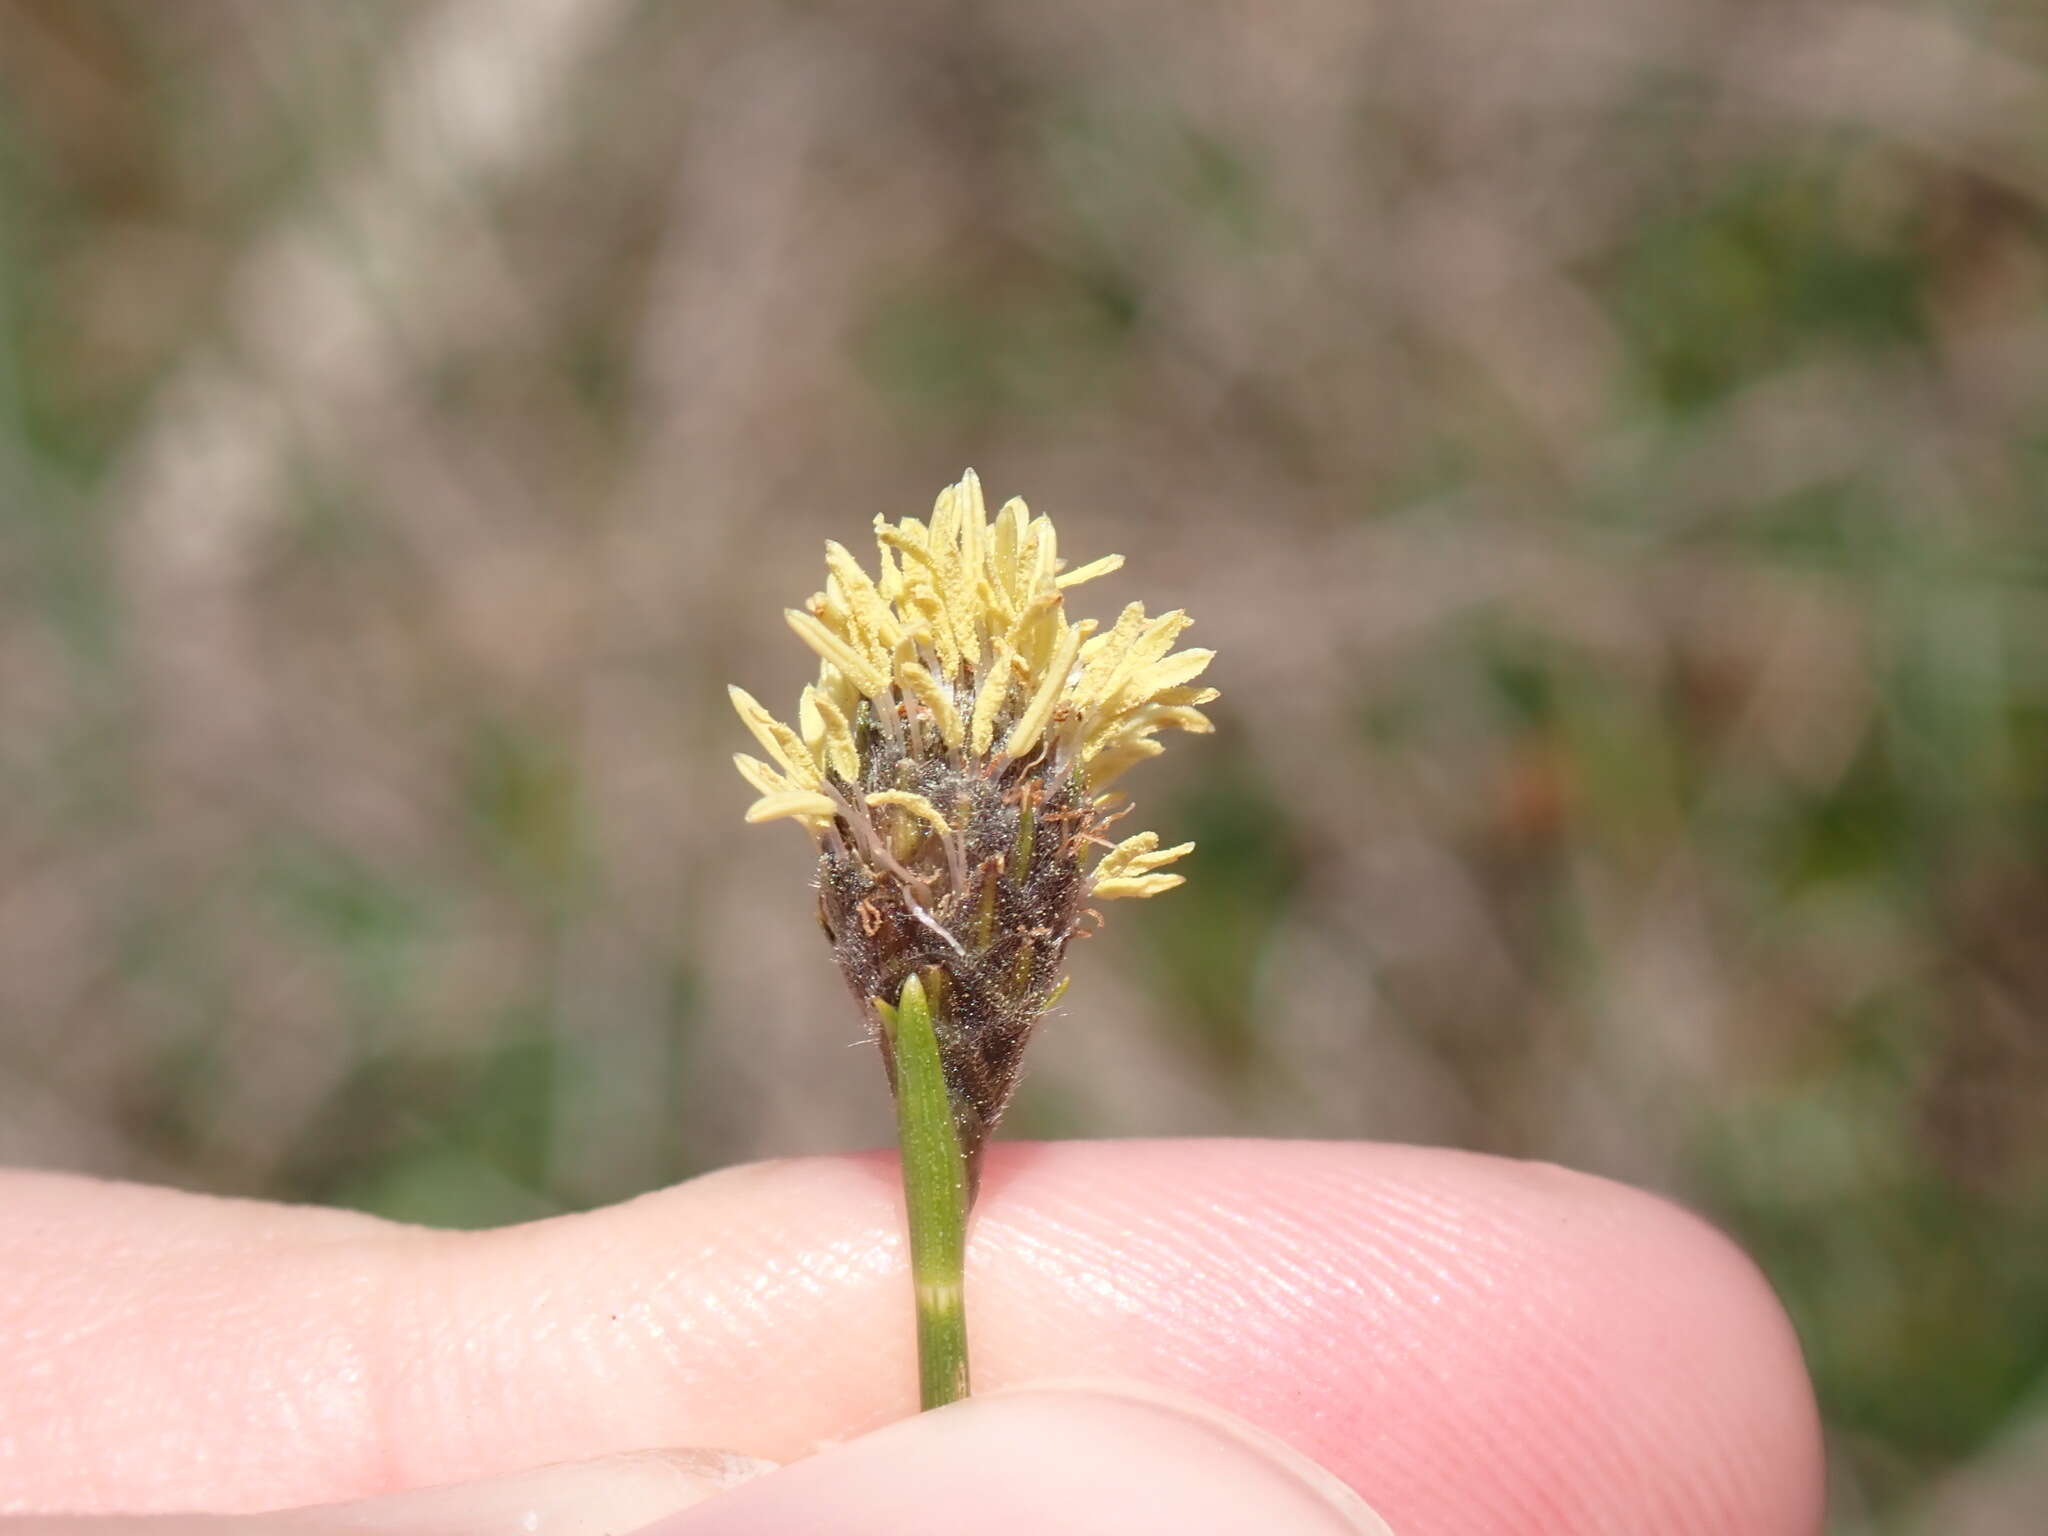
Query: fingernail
1083	1459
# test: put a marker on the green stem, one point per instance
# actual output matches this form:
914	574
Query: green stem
934	1196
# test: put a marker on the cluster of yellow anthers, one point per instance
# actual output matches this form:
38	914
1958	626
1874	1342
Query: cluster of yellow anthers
961	650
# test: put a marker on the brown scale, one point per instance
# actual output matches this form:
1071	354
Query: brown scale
996	966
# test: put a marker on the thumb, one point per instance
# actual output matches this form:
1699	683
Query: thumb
1081	1459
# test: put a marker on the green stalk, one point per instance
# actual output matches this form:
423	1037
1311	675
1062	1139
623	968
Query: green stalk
934	1196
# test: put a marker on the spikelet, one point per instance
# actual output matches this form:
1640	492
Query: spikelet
953	762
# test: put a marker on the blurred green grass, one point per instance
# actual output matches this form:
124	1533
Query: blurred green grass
1614	477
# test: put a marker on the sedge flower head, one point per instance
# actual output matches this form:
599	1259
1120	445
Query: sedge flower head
954	762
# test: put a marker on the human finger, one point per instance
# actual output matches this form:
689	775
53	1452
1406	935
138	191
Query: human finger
1082	1460
1484	1345
595	1498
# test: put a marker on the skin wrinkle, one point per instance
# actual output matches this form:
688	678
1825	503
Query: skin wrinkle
1415	1320
1342	1200
1607	1456
1546	1503
1311	1276
677	1311
1563	1375
1046	1260
1254	1233
409	1348
1431	1235
724	1320
1292	1309
1556	1346
1745	1434
1278	1296
1426	1210
1574	1348
1568	1354
1306	1331
1434	1232
1119	1265
863	1262
1456	1231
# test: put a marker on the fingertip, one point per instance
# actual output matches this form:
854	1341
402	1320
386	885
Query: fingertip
1479	1344
1704	1358
1084	1459
1485	1344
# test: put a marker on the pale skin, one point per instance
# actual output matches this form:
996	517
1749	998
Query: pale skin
1471	1345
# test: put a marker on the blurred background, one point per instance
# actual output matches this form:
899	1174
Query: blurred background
1605	442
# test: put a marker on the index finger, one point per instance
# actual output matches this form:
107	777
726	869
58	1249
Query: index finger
1476	1345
